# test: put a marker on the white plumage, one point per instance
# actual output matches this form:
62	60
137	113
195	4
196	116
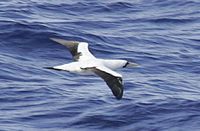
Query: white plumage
86	63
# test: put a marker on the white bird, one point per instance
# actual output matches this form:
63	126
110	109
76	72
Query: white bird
86	63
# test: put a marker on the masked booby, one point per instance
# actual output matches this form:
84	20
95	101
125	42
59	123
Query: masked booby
86	63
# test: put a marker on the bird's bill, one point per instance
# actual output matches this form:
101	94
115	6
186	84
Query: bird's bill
132	64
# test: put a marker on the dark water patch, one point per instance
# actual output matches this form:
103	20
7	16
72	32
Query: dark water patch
196	40
175	3
119	7
171	20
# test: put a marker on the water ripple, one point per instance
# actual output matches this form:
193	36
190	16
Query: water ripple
162	36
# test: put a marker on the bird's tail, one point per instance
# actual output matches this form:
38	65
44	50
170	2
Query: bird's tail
52	68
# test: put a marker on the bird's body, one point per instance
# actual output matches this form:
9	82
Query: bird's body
80	65
87	64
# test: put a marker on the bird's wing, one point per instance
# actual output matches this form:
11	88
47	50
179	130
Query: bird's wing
112	79
79	50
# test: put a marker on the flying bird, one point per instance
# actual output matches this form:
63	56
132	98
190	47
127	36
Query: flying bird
86	63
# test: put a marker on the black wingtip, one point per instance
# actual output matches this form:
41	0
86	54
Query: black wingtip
118	98
117	91
118	95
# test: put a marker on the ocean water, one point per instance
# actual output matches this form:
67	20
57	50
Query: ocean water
163	36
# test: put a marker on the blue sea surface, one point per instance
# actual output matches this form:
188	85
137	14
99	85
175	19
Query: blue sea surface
163	94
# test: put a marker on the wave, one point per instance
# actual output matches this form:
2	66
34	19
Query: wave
162	36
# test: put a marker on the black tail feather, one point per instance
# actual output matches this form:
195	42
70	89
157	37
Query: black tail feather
52	68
